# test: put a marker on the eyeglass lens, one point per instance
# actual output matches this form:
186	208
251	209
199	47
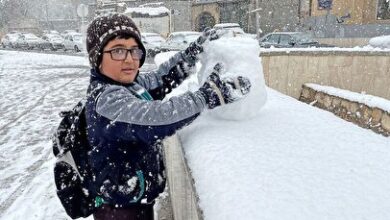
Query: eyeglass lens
121	53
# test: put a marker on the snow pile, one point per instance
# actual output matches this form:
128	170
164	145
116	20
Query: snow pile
369	100
381	41
239	57
151	11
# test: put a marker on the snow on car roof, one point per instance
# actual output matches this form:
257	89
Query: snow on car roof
226	25
149	34
185	33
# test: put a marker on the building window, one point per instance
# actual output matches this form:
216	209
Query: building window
325	4
383	9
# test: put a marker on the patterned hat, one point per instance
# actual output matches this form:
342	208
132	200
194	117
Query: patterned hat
105	28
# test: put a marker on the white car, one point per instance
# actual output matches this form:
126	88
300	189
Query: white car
380	41
56	41
230	30
9	40
74	41
152	43
179	40
31	41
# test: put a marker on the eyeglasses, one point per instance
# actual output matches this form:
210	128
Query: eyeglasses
120	54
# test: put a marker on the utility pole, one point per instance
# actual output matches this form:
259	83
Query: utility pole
257	19
47	15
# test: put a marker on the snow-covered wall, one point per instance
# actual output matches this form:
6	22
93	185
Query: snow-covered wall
367	111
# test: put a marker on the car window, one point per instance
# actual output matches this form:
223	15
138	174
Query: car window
274	38
77	37
303	38
178	38
266	39
285	39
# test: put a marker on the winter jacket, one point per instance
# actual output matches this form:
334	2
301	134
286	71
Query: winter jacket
125	132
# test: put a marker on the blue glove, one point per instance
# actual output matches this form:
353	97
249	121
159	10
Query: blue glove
190	54
219	91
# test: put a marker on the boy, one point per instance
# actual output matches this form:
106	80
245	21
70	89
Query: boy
125	125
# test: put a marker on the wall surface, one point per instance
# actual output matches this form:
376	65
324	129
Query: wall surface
344	42
357	71
181	185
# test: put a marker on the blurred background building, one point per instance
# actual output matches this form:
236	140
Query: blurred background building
323	18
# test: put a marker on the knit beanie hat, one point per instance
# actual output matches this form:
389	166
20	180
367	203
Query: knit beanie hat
105	28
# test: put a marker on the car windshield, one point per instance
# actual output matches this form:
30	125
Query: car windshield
14	36
55	37
236	30
77	37
303	38
30	37
192	37
154	38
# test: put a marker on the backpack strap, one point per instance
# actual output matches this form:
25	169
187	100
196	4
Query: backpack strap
140	92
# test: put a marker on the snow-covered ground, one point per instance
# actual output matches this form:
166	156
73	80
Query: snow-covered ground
34	89
292	161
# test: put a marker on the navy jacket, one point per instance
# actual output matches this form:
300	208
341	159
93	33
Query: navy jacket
125	132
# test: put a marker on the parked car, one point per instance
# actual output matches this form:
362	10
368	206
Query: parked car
380	41
152	43
179	40
230	29
289	39
31	41
9	40
51	32
66	32
55	40
74	41
21	42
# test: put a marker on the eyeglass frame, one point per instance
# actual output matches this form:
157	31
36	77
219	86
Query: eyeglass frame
131	50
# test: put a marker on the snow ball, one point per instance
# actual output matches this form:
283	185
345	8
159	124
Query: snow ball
240	57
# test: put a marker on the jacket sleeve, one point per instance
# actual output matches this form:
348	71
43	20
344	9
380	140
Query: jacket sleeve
153	79
147	121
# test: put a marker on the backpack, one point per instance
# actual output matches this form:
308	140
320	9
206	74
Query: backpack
72	173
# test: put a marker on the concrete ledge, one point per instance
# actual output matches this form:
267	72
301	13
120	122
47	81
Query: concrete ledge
365	116
323	52
182	191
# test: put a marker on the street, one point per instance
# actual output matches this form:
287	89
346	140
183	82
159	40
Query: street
35	87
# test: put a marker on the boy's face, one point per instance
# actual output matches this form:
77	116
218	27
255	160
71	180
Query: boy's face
125	70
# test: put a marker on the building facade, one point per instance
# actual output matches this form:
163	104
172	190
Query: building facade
346	18
180	10
277	15
207	13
